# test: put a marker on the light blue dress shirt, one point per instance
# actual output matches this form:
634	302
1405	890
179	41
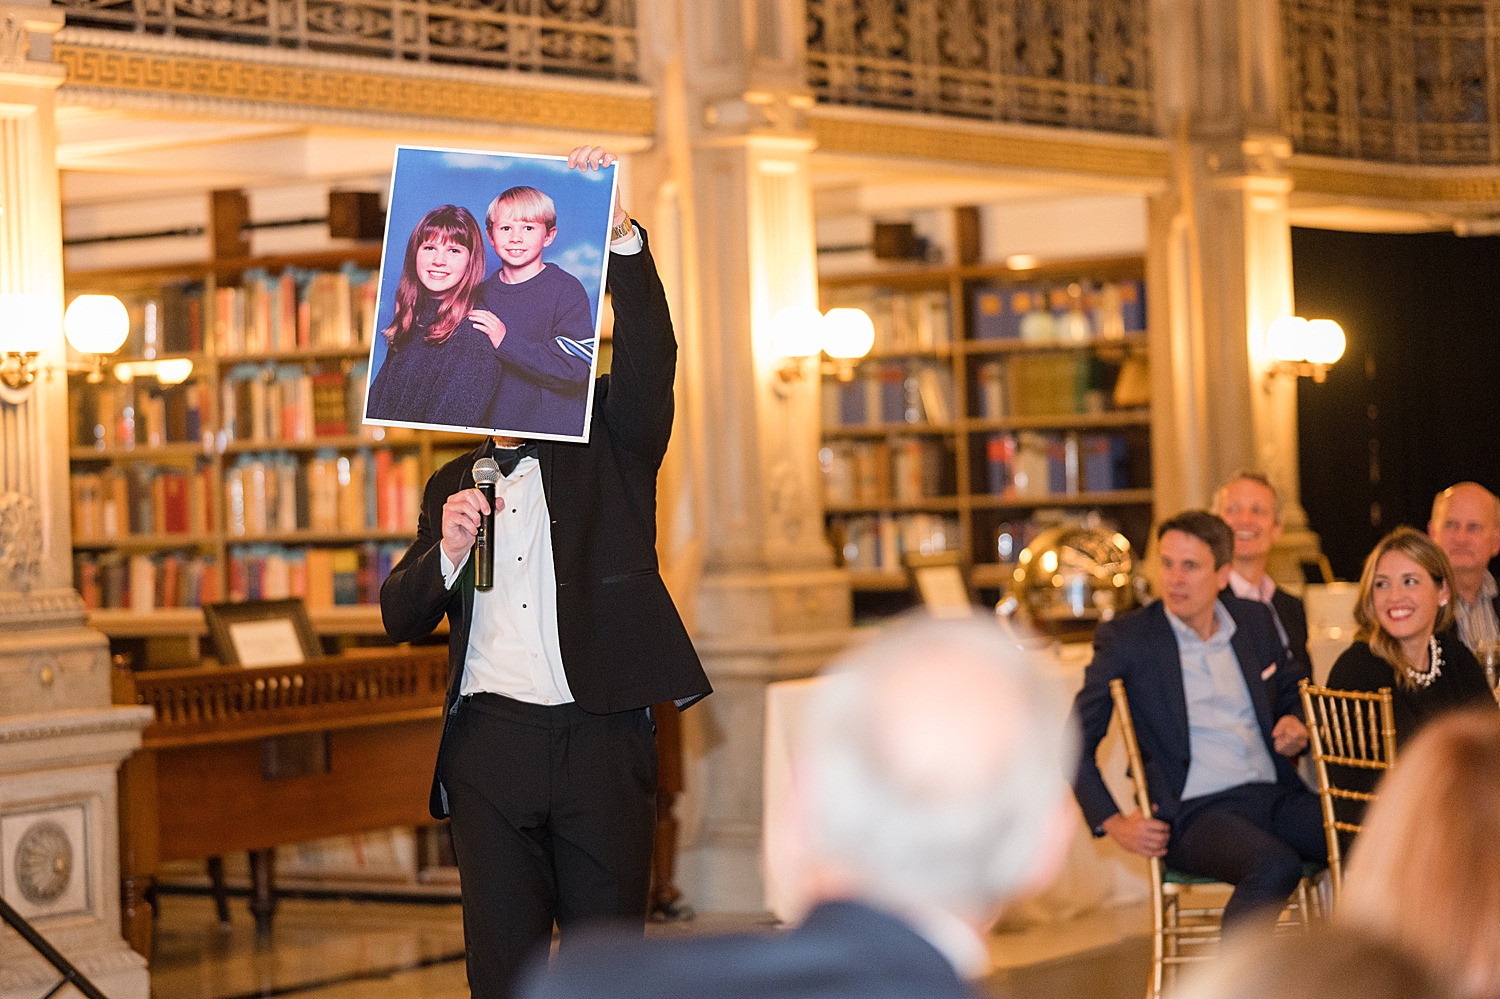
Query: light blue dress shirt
1227	748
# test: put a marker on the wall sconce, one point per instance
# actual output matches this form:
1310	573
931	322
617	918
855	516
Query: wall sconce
23	334
801	331
97	325
1303	347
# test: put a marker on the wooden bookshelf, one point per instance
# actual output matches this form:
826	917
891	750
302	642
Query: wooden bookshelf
952	450
190	294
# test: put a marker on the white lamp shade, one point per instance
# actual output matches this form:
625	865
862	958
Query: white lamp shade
1324	341
1286	339
96	324
23	322
848	334
797	331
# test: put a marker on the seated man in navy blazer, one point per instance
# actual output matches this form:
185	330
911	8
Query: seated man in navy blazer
927	788
1213	694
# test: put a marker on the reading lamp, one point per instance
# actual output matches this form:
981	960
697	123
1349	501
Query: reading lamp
23	334
96	325
1303	347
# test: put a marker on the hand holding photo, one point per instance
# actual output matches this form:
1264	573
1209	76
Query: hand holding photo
492	327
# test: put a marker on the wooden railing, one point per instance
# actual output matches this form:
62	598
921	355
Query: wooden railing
226	704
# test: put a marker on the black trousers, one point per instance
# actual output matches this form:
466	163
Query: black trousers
553	815
1254	836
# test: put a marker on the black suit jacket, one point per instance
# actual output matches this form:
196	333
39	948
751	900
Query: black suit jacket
1294	619
843	951
623	644
1141	648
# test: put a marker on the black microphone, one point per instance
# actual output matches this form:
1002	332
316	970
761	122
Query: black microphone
486	475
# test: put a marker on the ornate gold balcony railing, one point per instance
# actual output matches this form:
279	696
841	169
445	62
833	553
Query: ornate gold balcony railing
1072	63
591	38
1410	81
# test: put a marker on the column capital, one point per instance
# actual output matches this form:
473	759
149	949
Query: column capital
26	46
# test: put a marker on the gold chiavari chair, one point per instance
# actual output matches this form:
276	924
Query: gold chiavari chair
1353	729
1176	926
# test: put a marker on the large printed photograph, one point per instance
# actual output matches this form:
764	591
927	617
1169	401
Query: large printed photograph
491	286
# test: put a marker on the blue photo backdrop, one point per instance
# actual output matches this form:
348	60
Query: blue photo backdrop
423	179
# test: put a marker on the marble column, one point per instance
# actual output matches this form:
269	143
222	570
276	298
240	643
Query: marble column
61	741
1220	267
768	602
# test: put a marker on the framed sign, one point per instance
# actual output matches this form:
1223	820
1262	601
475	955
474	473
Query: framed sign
262	632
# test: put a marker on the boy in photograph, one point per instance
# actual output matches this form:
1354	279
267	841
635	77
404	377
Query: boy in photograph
526	307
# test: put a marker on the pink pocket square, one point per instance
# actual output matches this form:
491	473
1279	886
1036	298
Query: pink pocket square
1268	672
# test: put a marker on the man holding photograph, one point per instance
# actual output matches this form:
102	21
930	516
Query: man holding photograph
547	765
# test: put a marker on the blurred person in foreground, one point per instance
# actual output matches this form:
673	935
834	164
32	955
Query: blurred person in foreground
1326	964
1425	873
927	790
1466	525
1251	507
1406	638
1213	695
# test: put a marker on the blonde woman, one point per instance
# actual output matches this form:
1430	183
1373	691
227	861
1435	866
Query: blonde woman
1406	639
1425	874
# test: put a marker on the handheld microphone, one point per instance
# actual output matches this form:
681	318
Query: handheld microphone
486	475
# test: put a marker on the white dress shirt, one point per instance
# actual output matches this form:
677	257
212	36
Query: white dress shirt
513	649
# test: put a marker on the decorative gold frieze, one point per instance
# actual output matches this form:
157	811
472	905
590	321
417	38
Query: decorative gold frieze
1123	158
350	90
1385	185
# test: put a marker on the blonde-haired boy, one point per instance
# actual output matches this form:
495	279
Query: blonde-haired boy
524	307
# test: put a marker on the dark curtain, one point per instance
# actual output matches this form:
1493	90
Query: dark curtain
1411	407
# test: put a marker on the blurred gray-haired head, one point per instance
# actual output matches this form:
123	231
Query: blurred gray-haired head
934	763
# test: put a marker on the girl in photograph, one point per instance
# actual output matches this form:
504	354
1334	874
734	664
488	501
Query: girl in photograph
439	368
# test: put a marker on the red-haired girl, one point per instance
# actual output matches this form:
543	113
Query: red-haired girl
439	368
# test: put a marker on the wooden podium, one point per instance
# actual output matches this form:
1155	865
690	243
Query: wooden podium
252	758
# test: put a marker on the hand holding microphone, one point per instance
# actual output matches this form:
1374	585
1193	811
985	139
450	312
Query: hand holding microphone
486	477
470	513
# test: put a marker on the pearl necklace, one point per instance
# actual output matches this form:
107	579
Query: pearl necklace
1434	670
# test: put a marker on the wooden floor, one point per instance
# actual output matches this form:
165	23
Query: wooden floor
341	949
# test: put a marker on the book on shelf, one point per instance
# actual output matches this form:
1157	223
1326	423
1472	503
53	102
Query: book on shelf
1068	311
296	309
141	499
145	583
369	489
911	391
135	413
270	403
900	468
882	542
1030	464
321	576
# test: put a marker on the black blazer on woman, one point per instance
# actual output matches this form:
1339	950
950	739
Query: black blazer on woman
623	644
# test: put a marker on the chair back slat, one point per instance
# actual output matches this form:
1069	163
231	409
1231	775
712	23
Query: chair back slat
1351	729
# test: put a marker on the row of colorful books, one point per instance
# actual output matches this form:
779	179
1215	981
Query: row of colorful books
1029	464
904	469
1071	312
136	413
322	577
141	498
146	582
166	321
365	490
882	542
891	392
289	402
297	308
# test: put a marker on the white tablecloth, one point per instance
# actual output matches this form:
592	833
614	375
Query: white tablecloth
1097	872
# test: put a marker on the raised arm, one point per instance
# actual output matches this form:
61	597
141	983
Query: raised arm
638	404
